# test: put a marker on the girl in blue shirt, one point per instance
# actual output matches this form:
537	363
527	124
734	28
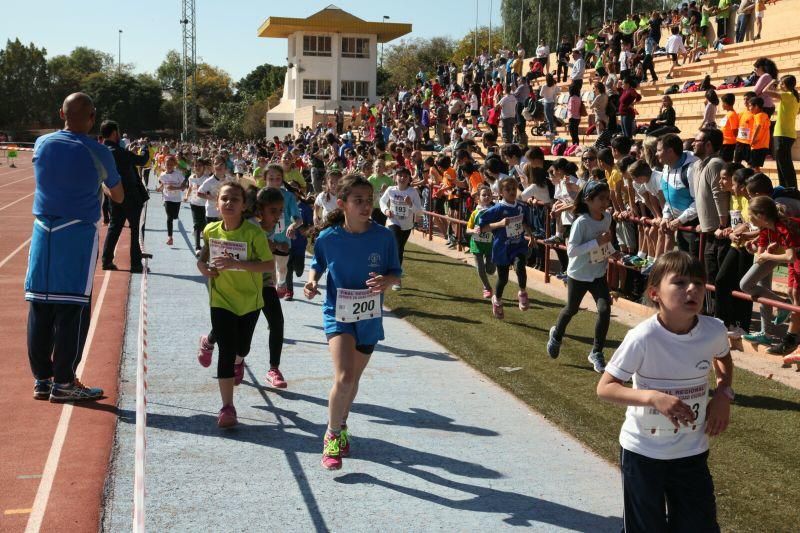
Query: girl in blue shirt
589	248
509	221
285	230
362	262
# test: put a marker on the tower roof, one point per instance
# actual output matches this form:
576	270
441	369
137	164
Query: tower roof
332	19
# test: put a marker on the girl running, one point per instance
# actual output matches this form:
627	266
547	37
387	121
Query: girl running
326	200
285	228
509	221
362	262
234	256
172	182
664	439
400	203
589	248
197	204
210	188
480	244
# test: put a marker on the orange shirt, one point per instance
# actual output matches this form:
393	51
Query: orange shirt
730	127
475	181
745	127
760	139
449	183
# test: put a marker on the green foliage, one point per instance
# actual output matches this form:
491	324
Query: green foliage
229	119
24	85
170	73
404	59
68	73
466	46
262	81
133	101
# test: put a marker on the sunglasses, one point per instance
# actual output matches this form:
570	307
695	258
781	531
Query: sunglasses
590	159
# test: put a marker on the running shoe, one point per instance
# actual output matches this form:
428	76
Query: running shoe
397	287
238	373
524	304
785	347
648	268
598	361
759	338
74	392
487	293
562	276
169	241
205	352
197	252
782	316
638	262
555	239
227	417
42	388
792	359
331	452
344	442
281	290
275	378
497	308
553	346
736	332
289	296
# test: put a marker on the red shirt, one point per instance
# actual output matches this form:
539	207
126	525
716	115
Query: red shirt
626	101
784	236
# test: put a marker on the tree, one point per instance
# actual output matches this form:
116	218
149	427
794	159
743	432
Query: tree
214	87
133	101
24	85
170	73
262	81
404	60
466	46
69	72
228	120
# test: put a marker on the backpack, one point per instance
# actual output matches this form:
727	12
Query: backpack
571	150
672	89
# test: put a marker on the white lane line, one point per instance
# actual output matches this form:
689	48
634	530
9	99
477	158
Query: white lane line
50	467
16	171
17	181
12	254
16	201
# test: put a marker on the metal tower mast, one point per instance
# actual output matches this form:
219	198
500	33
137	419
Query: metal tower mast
189	70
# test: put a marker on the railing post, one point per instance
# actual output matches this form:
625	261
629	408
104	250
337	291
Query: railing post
432	208
547	247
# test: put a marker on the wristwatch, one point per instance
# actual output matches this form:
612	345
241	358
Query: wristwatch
727	392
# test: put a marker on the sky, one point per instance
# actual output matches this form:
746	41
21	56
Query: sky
226	29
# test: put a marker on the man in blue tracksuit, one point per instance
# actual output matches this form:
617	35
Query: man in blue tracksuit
71	171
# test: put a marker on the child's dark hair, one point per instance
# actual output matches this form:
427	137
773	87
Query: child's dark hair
711	96
591	190
791	82
731	168
741	175
639	169
275	167
598	174
728	98
268	196
250	204
757	101
678	263
759	184
346	187
626	162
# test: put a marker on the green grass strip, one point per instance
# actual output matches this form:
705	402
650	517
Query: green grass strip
754	463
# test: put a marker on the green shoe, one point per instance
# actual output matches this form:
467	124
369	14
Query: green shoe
782	316
344	442
759	338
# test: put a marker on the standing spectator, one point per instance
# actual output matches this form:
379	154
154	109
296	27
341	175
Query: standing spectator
743	18
521	94
562	54
677	184
760	9
627	111
543	56
578	68
710	110
130	209
548	95
71	171
574	113
723	14
675	45
508	110
785	131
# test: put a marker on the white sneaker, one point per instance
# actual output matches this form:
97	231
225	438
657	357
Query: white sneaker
396	287
735	332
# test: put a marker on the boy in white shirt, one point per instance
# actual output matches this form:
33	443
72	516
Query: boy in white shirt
171	183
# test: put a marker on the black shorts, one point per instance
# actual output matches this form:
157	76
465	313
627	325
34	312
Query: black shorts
602	72
727	151
741	152
454	204
674	58
474	112
757	157
173	209
366	349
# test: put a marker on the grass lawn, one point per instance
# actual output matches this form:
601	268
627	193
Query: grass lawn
755	463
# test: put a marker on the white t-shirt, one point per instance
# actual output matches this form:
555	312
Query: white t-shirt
653	186
563	194
326	205
548	94
195	182
175	179
211	186
674	45
536	192
402	213
658	359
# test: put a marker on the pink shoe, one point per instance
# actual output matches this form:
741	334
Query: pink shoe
227	417
344	442
275	378
497	308
169	241
331	452
487	293
206	352
524	304
238	373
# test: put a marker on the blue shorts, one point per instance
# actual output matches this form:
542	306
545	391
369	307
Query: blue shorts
365	332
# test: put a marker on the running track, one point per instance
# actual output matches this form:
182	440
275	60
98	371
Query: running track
53	458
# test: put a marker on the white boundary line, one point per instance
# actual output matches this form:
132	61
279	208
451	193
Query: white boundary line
48	475
16	250
16	201
17	181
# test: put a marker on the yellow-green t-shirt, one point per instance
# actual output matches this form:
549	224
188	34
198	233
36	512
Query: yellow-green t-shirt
378	181
238	291
786	116
627	27
613	177
296	176
258	176
739	212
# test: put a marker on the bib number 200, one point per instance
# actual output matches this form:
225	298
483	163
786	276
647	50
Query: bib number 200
359	308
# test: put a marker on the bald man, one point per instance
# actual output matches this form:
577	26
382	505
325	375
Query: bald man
72	171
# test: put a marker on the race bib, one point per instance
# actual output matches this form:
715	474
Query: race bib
356	305
400	209
744	134
514	228
280	226
693	393
601	254
736	218
483	237
220	248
